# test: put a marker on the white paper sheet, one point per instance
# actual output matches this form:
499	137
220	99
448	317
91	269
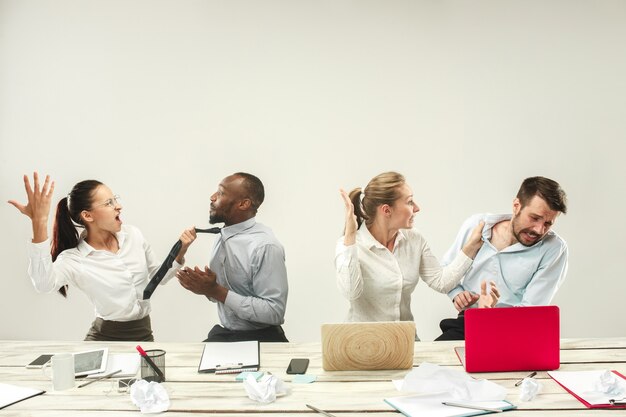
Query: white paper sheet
10	394
224	355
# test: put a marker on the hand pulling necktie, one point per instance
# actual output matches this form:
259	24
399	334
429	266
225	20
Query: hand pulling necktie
167	263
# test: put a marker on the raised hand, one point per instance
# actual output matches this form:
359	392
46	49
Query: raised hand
488	300
351	227
38	206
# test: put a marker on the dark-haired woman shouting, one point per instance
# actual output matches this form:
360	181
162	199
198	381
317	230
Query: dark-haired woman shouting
109	261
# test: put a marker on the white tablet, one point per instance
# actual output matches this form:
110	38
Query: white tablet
90	362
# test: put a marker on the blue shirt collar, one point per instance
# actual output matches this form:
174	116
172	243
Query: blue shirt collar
229	231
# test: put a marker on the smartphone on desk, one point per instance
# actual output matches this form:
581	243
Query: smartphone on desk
39	362
298	366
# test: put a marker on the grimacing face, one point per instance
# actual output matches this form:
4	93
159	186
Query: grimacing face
532	222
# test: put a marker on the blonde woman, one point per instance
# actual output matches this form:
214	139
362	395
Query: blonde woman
380	258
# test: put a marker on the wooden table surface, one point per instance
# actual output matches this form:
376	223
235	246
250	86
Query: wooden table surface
345	394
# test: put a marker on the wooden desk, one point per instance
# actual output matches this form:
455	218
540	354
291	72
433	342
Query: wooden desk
345	394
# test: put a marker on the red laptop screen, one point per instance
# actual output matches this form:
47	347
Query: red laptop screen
512	339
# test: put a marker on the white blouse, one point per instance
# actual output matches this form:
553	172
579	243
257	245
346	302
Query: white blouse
113	282
379	283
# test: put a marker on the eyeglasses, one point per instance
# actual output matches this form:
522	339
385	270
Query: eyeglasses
111	202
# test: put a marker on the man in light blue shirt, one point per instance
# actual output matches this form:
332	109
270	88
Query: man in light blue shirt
246	277
521	254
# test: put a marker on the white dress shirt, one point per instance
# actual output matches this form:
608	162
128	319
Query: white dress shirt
379	283
525	275
113	282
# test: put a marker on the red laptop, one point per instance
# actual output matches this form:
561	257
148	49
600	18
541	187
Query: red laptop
504	339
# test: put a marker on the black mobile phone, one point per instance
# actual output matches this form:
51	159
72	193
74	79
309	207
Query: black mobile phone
298	366
39	362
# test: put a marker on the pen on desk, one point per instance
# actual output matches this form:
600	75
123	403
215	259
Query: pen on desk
110	374
317	410
518	383
150	362
472	406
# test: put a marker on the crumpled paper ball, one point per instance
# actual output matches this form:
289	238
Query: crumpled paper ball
609	384
529	389
150	397
266	389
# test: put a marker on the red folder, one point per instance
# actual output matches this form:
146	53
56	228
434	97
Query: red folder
588	405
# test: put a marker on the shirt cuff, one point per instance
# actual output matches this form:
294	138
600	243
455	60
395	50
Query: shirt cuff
38	250
455	291
346	254
233	300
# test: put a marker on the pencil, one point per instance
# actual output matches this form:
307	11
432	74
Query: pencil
99	378
317	410
518	383
472	406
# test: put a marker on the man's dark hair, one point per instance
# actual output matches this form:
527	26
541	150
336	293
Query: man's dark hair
550	191
252	189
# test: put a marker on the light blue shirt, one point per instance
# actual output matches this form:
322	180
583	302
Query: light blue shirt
250	262
525	276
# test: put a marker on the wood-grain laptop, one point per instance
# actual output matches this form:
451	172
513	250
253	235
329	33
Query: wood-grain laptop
507	339
368	346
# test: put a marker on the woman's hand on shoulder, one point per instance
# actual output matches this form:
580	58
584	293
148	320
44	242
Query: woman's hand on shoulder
475	241
39	198
351	223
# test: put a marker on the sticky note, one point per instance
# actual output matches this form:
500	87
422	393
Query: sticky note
304	379
244	375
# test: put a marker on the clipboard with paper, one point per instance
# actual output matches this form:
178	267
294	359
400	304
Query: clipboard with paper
225	356
590	387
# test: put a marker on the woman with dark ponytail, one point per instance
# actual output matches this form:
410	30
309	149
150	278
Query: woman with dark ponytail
110	262
381	257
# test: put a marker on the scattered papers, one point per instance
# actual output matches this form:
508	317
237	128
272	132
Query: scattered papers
433	379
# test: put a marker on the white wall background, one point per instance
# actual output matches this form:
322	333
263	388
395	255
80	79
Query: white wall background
161	100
